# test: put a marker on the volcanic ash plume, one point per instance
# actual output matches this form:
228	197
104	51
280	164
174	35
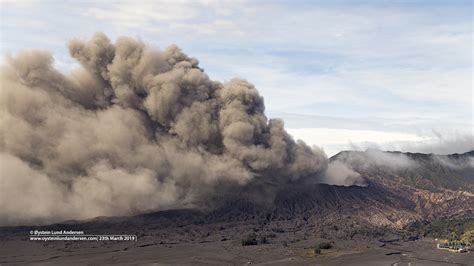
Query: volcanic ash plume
135	129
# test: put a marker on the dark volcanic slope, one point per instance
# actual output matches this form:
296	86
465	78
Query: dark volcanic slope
425	171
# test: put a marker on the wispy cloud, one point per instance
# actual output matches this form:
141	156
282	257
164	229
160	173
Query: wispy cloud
437	144
333	140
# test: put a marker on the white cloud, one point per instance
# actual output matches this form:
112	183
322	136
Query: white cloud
334	140
143	13
436	144
173	17
331	137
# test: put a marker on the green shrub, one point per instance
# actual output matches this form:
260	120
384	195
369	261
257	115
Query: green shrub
278	230
468	237
251	240
324	245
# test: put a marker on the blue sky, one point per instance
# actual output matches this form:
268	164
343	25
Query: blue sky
342	74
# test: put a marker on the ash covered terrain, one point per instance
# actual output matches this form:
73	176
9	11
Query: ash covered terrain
393	217
139	141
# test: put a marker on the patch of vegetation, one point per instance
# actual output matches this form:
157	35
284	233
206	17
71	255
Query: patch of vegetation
278	230
321	246
443	228
253	239
324	245
468	237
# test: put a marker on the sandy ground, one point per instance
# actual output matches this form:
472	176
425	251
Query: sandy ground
17	250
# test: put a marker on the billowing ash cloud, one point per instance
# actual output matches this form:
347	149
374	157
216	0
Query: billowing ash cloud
135	129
